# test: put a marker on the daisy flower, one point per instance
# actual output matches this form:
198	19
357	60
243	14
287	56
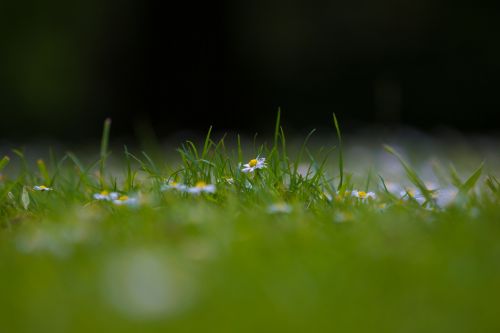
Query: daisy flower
363	195
200	187
173	186
42	188
105	195
252	165
125	200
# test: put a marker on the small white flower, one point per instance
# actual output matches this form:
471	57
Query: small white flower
363	195
280	207
252	165
200	187
105	195
42	188
125	200
174	186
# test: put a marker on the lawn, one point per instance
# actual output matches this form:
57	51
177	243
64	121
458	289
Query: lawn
236	237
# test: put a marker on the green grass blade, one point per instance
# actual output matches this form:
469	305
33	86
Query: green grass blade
104	150
455	179
472	180
207	144
277	129
411	174
3	162
341	156
42	168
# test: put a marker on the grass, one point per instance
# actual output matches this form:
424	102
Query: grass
284	248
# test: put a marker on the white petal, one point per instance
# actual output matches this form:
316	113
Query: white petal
209	188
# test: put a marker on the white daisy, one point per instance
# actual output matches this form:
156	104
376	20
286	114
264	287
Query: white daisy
174	186
42	188
200	187
256	163
363	195
125	200
105	195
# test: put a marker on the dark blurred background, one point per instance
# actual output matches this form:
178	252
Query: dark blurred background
66	65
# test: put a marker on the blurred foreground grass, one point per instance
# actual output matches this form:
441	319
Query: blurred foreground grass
283	248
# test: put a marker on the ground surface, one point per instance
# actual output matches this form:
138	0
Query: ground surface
296	245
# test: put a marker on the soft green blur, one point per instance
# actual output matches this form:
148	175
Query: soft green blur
193	266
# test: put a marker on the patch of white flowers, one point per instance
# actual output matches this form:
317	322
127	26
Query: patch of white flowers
199	187
106	196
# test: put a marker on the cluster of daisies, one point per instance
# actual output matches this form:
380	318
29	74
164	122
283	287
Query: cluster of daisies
441	197
200	187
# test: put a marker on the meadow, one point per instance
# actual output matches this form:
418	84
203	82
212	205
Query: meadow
265	236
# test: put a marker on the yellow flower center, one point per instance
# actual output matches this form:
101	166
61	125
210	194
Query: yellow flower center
123	198
253	163
43	187
104	193
362	194
200	184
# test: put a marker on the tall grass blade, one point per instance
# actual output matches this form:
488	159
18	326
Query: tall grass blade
104	150
411	174
472	180
341	156
3	162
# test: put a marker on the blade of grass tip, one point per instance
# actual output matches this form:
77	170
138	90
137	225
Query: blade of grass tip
3	162
58	169
81	169
207	144
43	171
387	192
341	157
25	171
130	178
284	159
299	156
493	184
255	150
368	179
240	151
455	179
412	174
104	149
277	128
151	162
206	147
472	180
